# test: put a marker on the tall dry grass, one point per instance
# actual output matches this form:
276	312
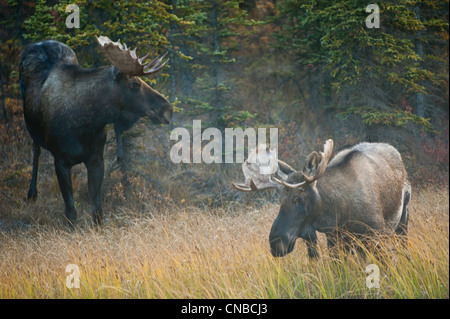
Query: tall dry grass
163	245
185	252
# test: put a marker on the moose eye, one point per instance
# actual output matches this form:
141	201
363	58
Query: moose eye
135	85
298	200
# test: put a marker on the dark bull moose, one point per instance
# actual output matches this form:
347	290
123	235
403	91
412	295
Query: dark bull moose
362	190
66	109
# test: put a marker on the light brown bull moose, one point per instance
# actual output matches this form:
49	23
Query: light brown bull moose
363	190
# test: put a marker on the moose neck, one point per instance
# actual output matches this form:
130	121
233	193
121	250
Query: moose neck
105	103
96	96
330	200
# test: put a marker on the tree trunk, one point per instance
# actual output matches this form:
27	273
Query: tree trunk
3	93
216	64
218	76
172	30
419	51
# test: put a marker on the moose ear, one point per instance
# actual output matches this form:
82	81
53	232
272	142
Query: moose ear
311	167
316	163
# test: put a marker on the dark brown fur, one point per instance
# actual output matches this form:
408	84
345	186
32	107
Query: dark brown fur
67	107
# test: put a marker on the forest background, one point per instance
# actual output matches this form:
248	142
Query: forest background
310	68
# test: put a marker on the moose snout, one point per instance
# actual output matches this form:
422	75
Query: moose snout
281	245
167	116
161	117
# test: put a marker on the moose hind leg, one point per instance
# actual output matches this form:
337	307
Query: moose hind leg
65	185
402	228
95	169
32	191
332	238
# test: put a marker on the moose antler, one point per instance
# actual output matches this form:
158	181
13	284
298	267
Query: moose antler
316	163
258	169
315	166
126	60
290	185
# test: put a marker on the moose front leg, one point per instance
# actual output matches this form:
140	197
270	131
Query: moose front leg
95	169
124	122
311	242
32	192
65	185
118	131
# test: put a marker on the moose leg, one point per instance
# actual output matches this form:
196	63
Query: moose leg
339	244
331	244
123	163
125	121
32	192
312	249
118	131
65	185
311	243
402	228
95	169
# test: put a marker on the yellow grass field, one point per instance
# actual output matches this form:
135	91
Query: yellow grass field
184	252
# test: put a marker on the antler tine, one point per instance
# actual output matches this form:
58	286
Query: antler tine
253	186
328	149
133	54
258	171
241	187
155	65
143	58
294	186
324	157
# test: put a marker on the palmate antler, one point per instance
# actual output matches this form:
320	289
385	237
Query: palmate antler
127	61
315	166
258	169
